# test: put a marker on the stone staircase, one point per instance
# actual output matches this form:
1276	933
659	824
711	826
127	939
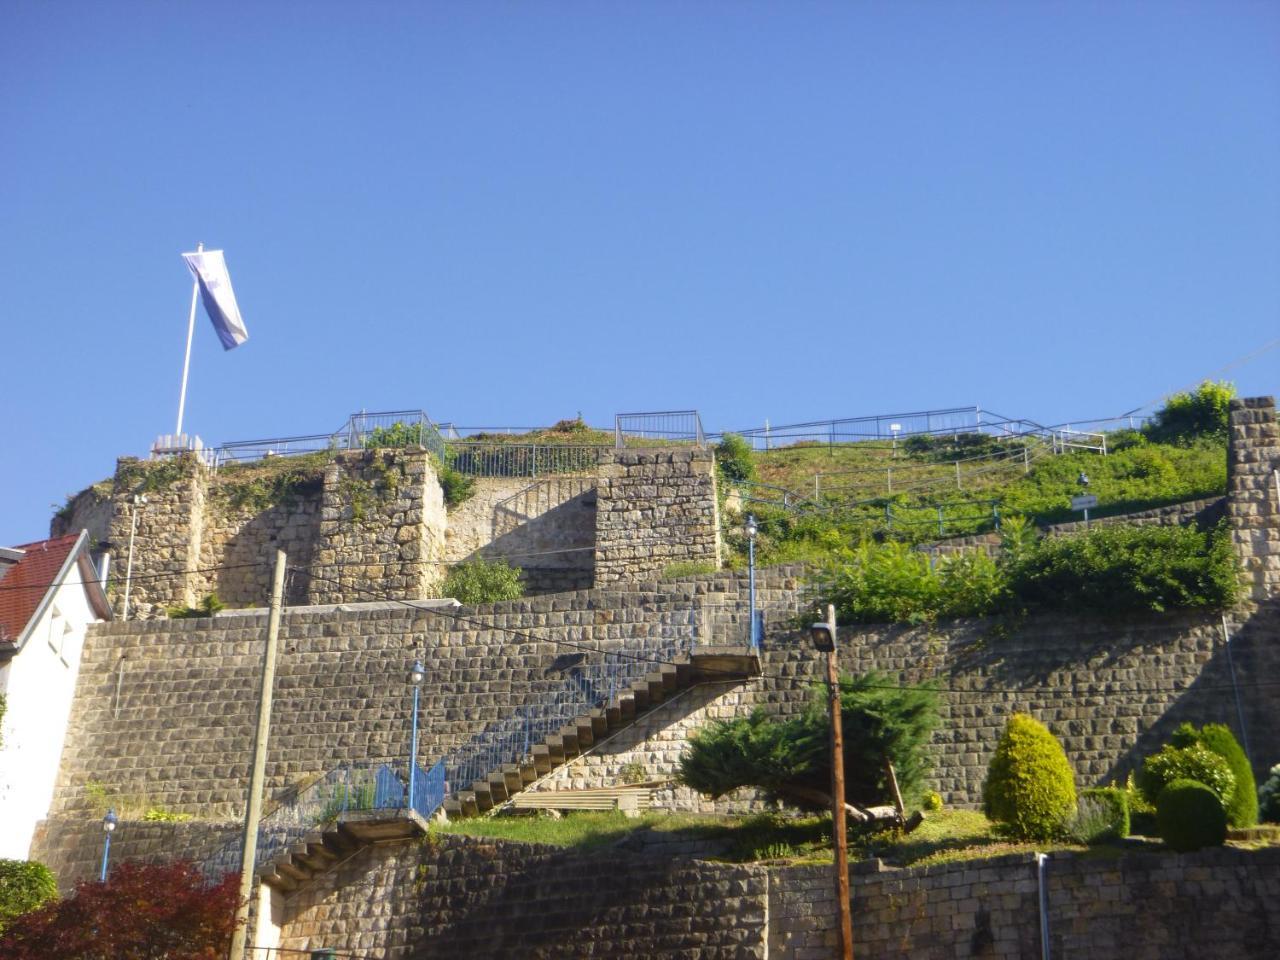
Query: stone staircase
575	738
299	854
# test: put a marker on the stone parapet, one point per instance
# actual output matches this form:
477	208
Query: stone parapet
655	507
1253	493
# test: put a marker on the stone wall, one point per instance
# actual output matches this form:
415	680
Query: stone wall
1111	691
90	509
167	537
237	549
382	524
1221	904
461	897
164	710
1253	493
546	527
72	846
655	508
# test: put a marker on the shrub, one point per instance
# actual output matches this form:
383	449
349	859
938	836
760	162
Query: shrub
1202	412
1102	813
24	886
1195	762
1269	796
932	801
163	910
1030	786
892	583
207	608
1242	807
1190	816
734	459
482	581
791	758
1122	569
1142	812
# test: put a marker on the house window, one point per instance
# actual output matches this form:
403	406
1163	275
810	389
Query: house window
61	633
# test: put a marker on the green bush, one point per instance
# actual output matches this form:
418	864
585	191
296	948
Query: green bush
1242	807
734	459
1195	762
1102	814
1269	797
688	568
24	885
1123	569
482	581
892	583
1190	816
1185	417
1030	786
207	608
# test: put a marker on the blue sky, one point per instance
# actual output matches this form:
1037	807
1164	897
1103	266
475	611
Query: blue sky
506	214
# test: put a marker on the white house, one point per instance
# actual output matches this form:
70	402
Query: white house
49	594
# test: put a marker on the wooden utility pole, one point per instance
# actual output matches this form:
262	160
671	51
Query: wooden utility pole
837	794
253	810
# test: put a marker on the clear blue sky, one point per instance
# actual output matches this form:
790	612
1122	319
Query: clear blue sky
505	214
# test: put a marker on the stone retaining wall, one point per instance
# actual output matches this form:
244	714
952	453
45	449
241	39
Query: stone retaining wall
1221	904
655	508
463	897
1254	493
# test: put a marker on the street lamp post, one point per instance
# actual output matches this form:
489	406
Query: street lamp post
752	530
416	674
1083	480
824	639
108	827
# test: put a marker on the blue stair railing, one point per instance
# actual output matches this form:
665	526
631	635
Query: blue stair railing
374	785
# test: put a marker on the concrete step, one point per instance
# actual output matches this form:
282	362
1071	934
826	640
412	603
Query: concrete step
586	731
511	778
542	758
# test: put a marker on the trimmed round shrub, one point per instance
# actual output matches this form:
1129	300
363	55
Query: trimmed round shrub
1196	762
1030	786
1242	807
1190	816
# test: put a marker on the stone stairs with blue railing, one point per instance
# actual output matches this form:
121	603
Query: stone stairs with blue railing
364	802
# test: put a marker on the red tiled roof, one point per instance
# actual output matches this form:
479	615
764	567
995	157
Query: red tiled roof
27	582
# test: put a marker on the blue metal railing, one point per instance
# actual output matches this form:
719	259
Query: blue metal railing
366	786
584	687
358	787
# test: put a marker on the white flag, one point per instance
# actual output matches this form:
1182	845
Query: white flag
210	271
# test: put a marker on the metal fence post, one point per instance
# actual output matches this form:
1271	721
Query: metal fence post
941	521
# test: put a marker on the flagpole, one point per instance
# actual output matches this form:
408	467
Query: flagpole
186	363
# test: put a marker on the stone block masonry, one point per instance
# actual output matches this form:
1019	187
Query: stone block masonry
382	528
655	508
1253	493
461	897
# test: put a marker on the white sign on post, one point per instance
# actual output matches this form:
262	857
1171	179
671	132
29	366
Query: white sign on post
1084	502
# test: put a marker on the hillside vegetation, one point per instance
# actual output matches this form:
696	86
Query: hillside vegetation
809	499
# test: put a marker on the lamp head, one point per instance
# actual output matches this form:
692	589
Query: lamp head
417	673
752	529
109	821
824	637
1083	479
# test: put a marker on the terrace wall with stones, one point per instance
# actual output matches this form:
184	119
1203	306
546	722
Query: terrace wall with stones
164	710
655	508
1111	691
1220	904
1253	493
462	897
372	524
546	527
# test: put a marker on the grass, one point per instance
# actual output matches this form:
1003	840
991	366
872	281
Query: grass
855	499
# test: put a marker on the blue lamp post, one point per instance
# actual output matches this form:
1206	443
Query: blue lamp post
108	827
416	673
752	530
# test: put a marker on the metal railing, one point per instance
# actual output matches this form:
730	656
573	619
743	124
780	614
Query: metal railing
672	426
399	426
357	787
490	459
953	421
1067	439
586	686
